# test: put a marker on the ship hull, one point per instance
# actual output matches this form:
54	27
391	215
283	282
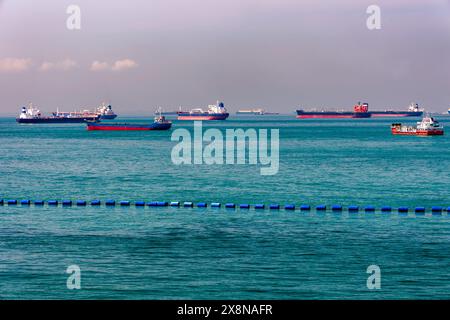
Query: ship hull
128	127
418	132
108	117
379	114
56	120
331	115
203	116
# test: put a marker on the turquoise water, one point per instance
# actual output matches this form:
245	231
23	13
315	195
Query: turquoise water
168	253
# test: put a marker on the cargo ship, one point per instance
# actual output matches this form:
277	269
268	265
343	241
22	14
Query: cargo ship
106	112
34	115
448	111
359	111
214	112
258	112
160	123
413	111
159	111
427	127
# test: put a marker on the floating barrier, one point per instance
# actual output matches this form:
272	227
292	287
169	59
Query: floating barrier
435	210
336	208
403	210
110	203
81	203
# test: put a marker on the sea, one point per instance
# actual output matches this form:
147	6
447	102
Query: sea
129	252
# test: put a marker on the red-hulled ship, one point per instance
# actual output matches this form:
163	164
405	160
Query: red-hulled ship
359	111
214	112
427	127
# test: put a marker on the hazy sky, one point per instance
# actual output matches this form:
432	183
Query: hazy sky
275	54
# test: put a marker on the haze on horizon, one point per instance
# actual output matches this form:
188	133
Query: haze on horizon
274	54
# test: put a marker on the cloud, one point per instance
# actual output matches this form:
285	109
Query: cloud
118	65
14	64
63	65
99	66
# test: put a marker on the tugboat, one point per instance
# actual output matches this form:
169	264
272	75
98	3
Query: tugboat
214	112
106	112
359	111
160	123
427	127
34	115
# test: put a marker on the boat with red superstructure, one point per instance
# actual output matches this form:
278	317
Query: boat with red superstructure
427	127
160	123
359	111
214	112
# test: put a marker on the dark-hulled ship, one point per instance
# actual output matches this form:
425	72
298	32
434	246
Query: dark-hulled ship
34	115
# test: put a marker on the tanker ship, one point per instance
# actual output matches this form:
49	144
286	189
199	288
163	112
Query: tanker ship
214	112
34	115
359	111
413	111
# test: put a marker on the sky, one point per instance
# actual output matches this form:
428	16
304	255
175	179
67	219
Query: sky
279	55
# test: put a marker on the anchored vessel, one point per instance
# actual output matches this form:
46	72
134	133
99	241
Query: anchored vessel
413	111
34	115
214	112
106	112
160	123
359	111
427	127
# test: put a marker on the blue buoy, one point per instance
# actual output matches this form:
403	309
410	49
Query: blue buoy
274	206
305	207
125	203
336	207
67	203
139	204
353	208
403	210
289	207
215	205
81	203
175	204
202	205
110	203
162	203
436	210
386	209
96	202
188	204
52	202
230	205
321	207
25	202
420	210
153	204
244	206
39	202
259	206
12	202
